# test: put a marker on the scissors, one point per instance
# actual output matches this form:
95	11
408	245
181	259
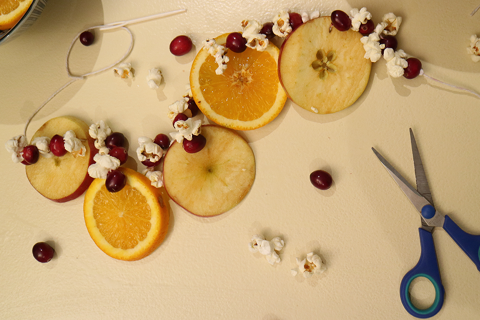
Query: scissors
427	266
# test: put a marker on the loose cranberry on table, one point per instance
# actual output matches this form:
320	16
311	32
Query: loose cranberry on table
115	181
162	140
366	28
341	20
87	38
295	20
321	179
57	146
43	252
120	153
267	30
181	45
236	42
413	69
30	155
195	145
116	139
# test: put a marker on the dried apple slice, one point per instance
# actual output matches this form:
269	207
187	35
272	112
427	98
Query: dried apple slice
63	178
213	180
323	70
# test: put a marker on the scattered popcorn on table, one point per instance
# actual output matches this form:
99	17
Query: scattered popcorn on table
309	266
15	147
186	129
73	144
123	70
155	177
396	62
103	164
251	32
154	78
359	17
43	146
281	24
267	248
474	48
148	150
219	53
391	24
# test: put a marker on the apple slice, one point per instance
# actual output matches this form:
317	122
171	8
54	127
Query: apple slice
213	180
323	70
63	178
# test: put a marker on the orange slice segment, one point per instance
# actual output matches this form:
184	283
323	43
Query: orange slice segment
248	95
129	224
11	11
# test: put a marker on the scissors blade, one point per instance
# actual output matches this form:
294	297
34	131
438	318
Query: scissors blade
412	194
421	178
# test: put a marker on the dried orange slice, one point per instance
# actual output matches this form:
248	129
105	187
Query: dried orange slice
11	11
129	224
248	95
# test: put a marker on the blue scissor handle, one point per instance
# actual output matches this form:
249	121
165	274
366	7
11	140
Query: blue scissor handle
469	243
426	267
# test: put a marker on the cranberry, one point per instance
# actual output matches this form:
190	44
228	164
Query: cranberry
86	38
149	163
389	42
42	252
115	181
413	69
193	107
366	28
295	20
116	139
162	140
267	30
341	20
236	42
195	145
30	155
179	116
120	153
181	45
321	179
57	146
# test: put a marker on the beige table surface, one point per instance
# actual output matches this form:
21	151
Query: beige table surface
363	227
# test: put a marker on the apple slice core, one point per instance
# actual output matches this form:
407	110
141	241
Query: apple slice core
322	69
63	178
213	180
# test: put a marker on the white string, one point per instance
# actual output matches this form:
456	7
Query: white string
422	73
110	26
474	11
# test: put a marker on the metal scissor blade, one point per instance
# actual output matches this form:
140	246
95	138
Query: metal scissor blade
421	178
415	198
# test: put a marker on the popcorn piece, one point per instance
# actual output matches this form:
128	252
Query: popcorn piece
154	78
99	131
148	150
392	24
123	70
156	177
254	243
310	265
251	32
372	46
186	129
43	146
396	62
219	53
103	164
177	107
281	24
474	48
73	144
273	258
15	147
267	248
313	15
359	17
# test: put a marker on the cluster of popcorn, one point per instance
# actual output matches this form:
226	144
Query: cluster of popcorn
251	32
267	248
104	162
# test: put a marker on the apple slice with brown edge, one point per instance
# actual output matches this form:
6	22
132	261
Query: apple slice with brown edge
213	180
64	178
322	69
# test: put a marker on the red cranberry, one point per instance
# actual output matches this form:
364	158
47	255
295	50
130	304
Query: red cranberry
179	116
236	42
181	45
195	145
413	69
295	20
267	30
120	153
341	20
389	42
86	38
148	163
43	252
115	181
116	139
162	140
57	146
193	107
30	155
321	179
366	28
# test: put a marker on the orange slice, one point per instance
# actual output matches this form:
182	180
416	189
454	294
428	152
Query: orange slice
248	95
129	224
11	11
